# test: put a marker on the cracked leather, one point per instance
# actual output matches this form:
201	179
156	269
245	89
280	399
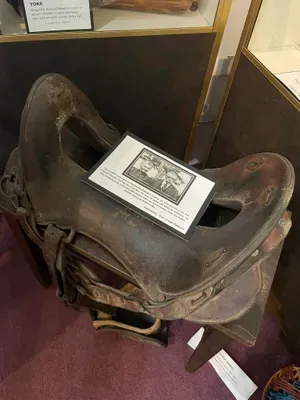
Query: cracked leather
177	278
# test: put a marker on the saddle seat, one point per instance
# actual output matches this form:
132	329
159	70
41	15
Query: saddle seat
172	278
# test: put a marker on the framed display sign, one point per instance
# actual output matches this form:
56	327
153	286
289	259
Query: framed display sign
57	15
159	187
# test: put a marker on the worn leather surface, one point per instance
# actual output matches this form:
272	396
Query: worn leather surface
260	185
215	277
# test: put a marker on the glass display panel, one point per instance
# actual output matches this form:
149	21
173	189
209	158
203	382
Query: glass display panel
275	41
123	15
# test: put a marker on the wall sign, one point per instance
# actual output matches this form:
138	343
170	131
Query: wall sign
57	15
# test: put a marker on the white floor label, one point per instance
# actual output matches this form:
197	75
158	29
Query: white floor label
240	385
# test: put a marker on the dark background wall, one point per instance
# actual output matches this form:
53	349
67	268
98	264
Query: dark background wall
258	118
149	85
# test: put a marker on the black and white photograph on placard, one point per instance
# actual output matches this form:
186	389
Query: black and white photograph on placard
159	175
153	184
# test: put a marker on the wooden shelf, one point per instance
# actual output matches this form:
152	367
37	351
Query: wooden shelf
115	22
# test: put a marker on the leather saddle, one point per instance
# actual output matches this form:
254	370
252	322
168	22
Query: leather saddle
128	272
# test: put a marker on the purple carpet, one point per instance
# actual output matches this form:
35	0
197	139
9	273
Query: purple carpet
51	352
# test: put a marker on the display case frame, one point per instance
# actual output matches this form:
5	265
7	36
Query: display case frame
218	25
243	48
275	41
247	36
216	31
260	114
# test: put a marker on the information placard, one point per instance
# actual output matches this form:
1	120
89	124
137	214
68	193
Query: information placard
57	15
292	81
154	184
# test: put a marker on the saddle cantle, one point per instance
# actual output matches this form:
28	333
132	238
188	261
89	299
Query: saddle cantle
120	266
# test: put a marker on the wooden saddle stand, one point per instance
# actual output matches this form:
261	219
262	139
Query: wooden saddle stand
131	275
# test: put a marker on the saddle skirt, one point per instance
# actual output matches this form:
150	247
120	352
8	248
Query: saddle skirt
215	277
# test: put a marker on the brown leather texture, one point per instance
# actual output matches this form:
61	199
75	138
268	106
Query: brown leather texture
268	177
174	277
